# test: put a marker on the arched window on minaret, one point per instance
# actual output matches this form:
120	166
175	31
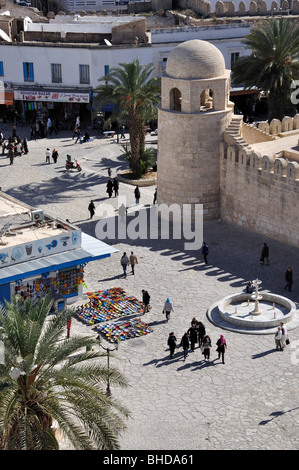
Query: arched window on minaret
206	100
175	99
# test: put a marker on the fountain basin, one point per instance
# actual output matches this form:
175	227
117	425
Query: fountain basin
284	310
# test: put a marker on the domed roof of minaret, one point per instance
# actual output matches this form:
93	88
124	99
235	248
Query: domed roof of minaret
195	59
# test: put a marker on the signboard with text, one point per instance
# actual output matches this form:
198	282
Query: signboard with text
54	96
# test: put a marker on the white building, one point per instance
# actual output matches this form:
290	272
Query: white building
57	65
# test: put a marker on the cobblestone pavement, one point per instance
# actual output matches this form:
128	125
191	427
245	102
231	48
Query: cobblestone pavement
251	401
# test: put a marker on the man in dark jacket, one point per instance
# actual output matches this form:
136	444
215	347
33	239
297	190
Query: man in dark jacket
289	279
146	300
265	254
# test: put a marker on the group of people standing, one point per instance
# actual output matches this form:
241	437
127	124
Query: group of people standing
112	186
14	145
44	127
196	334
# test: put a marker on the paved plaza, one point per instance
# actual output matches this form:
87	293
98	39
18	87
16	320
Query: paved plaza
249	403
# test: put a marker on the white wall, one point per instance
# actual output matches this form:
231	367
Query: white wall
227	40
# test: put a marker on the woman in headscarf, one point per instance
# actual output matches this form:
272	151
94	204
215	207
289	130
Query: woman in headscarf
221	347
167	309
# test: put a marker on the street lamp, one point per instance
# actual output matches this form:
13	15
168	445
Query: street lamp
109	350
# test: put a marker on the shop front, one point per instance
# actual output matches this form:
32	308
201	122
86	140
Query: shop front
59	275
64	106
41	254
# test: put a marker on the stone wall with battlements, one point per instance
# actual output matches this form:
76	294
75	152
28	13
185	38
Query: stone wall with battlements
240	8
260	190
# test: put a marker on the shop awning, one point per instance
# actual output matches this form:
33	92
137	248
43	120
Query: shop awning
243	91
6	97
92	249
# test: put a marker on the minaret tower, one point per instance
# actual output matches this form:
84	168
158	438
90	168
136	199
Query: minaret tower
194	111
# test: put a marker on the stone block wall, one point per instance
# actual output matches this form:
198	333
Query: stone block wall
188	169
260	193
239	8
126	33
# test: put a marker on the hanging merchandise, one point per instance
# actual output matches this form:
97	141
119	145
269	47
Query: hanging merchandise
122	330
64	284
108	305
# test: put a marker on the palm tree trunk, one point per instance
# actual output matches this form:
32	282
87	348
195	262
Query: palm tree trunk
134	129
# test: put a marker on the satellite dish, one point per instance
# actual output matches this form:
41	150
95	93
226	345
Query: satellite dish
108	43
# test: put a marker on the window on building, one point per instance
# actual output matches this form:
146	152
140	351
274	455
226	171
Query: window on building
1	69
84	74
56	73
28	72
233	57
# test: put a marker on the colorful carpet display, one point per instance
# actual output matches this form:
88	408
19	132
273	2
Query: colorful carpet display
122	330
108	305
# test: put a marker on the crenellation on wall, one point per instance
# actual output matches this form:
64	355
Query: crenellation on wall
239	8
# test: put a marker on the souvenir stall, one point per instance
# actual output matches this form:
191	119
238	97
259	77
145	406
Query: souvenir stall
111	304
42	254
122	330
63	284
108	305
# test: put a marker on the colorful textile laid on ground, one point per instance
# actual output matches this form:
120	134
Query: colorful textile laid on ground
122	330
108	305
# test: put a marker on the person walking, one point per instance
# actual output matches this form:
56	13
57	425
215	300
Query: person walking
284	335
221	347
137	194
167	309
123	128
124	262
79	137
185	344
91	209
205	251
277	339
192	332
109	173
201	331
115	186
289	279
25	145
54	155
265	254
171	343
146	300
133	261
206	347
48	155
11	154
155	196
109	189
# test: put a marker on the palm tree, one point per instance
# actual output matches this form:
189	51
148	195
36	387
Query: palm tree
135	95
47	378
272	65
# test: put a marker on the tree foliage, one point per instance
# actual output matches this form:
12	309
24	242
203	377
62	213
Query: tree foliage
273	63
47	378
135	94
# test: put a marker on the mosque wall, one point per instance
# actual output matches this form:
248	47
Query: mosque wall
260	193
239	8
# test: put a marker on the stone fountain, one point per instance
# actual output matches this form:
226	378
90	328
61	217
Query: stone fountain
254	313
256	297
